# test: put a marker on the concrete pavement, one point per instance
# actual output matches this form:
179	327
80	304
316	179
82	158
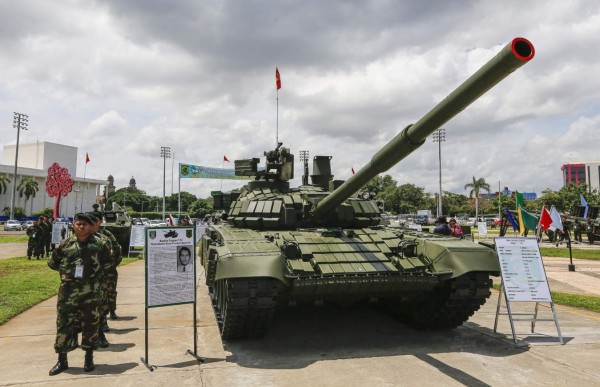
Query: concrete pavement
325	346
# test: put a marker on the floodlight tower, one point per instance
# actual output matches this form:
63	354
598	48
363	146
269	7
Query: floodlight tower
165	153
439	136
20	121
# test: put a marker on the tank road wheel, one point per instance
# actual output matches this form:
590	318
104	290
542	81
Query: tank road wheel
244	307
449	306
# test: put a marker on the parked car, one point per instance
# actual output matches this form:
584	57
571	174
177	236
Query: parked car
26	225
12	225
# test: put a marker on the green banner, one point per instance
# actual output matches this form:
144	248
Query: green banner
188	171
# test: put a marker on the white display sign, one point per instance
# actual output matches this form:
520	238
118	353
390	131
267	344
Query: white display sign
417	227
170	270
523	274
60	232
137	235
482	228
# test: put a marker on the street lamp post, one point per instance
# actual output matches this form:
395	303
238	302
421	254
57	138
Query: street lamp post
439	136
142	212
76	193
165	153
20	121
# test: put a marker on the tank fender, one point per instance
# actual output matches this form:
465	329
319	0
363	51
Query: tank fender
244	266
462	261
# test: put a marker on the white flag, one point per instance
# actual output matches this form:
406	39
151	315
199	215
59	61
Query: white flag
556	221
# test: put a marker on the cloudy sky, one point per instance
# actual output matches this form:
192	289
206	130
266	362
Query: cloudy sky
119	79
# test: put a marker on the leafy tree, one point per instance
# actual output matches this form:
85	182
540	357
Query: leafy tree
476	187
404	199
172	202
19	212
4	181
28	188
454	204
379	184
565	198
200	208
46	211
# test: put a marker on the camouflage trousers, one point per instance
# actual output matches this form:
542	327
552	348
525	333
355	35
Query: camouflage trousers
77	310
34	248
111	290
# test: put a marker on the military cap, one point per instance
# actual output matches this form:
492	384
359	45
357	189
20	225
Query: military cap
84	217
93	217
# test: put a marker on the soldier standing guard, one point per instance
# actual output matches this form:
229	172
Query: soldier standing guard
34	243
81	261
112	275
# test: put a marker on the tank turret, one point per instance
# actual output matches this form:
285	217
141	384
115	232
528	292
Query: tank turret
278	246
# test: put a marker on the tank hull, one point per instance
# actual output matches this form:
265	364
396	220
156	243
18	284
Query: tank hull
428	281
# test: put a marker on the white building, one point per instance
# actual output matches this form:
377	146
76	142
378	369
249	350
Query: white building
34	161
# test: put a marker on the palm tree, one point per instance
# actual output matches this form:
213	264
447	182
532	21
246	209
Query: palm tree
4	181
28	188
476	186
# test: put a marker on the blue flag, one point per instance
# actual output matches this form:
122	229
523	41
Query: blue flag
511	220
584	203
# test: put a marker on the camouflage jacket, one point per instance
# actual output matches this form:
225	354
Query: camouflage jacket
94	254
115	246
35	233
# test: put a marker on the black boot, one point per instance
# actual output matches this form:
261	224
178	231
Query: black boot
103	342
104	325
113	315
88	365
62	365
29	257
74	341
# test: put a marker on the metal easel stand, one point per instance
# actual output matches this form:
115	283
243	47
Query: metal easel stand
532	319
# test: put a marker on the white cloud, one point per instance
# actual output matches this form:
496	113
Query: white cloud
121	79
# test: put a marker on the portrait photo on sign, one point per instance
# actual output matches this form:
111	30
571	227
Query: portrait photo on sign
184	258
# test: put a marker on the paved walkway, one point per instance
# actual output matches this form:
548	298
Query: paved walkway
317	347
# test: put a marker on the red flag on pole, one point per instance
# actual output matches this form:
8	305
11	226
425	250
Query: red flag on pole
546	219
87	158
225	158
277	78
353	171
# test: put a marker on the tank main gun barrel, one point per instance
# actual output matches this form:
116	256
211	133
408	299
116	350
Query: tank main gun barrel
516	53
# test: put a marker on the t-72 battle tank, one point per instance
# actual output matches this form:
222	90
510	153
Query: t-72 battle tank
278	246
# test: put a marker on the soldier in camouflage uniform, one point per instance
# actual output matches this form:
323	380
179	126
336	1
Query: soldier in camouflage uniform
81	261
44	226
104	285
112	275
34	243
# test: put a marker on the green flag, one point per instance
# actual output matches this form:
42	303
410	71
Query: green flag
519	197
530	221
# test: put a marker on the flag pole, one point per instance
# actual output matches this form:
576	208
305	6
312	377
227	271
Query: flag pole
222	167
179	192
277	121
83	190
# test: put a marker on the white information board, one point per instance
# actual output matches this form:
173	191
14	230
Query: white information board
523	274
137	235
170	270
60	232
482	228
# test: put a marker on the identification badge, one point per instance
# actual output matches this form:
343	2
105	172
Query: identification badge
79	271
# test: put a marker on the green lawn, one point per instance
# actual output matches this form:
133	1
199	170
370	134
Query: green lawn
575	300
13	239
25	283
564	253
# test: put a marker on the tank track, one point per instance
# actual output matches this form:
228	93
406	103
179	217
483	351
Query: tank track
447	307
244	307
